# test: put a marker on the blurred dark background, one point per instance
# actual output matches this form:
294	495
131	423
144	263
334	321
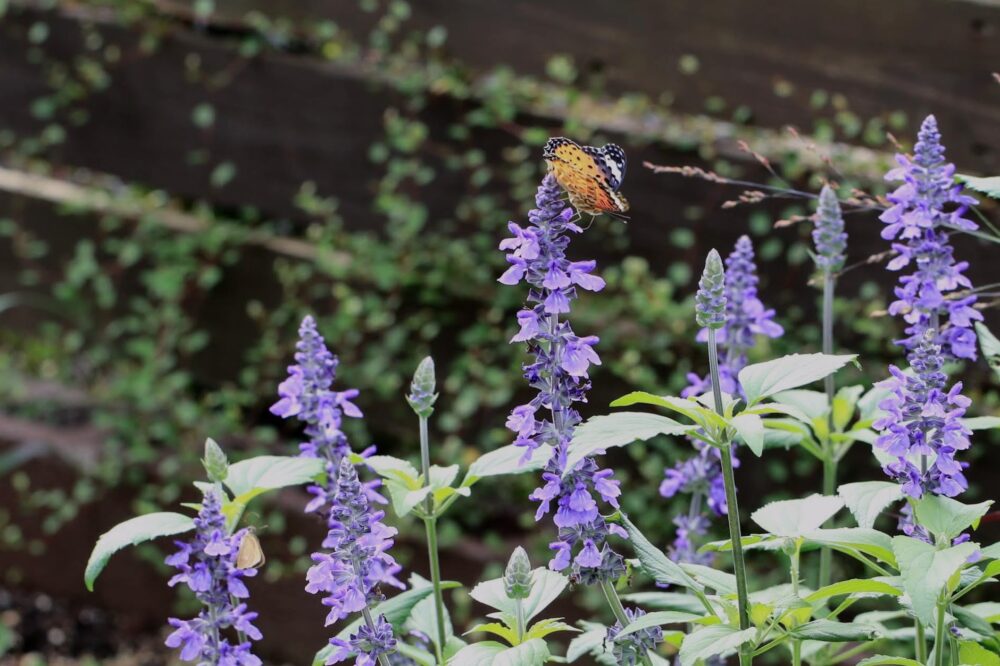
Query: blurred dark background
180	182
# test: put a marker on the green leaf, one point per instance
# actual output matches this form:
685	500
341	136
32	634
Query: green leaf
722	582
506	460
987	610
655	619
884	660
654	562
988	185
533	652
694	410
762	380
835	632
868	403
971	620
591	642
750	428
718	639
861	587
665	601
396	610
546	585
812	404
397	469
543	628
970	652
620	429
251	477
981	422
946	518
423	617
131	532
497	629
870	542
403	499
795	518
925	571
867	499
990	346
844	403
441	477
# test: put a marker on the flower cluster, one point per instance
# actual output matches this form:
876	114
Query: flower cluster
743	317
631	649
208	567
922	425
828	233
306	395
926	207
356	564
559	372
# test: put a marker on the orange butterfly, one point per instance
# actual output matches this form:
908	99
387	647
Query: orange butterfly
591	176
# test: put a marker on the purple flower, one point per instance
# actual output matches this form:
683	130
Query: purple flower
632	648
690	530
357	561
307	395
926	208
558	372
745	319
828	232
207	565
366	644
921	425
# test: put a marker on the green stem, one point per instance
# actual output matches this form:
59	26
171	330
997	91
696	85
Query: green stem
733	510
519	617
939	635
919	642
611	594
430	525
796	644
829	459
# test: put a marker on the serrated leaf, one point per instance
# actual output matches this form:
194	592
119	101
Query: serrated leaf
970	652
811	404
546	585
946	518
533	652
423	617
829	631
761	380
854	587
694	410
395	468
867	499
884	660
714	640
665	601
251	477
925	571
543	628
870	542
132	532
619	429
497	629
654	561
988	185
507	460
981	422
722	582
750	429
656	619
591	642
844	403
442	477
795	518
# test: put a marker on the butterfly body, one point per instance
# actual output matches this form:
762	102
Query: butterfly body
591	176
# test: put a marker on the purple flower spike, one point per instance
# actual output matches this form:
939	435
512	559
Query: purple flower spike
631	649
207	565
921	426
366	644
559	372
926	208
307	395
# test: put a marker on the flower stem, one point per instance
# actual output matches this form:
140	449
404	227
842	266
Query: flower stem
519	618
733	510
382	659
919	642
796	644
939	635
430	524
611	594
829	459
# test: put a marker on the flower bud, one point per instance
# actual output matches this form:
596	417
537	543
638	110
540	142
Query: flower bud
517	577
422	396
710	302
215	462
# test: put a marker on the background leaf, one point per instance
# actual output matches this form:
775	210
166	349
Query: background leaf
132	531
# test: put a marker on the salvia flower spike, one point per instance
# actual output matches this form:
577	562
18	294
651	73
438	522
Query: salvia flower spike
829	237
422	396
559	372
207	565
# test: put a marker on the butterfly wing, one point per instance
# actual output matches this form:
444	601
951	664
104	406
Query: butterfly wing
610	159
